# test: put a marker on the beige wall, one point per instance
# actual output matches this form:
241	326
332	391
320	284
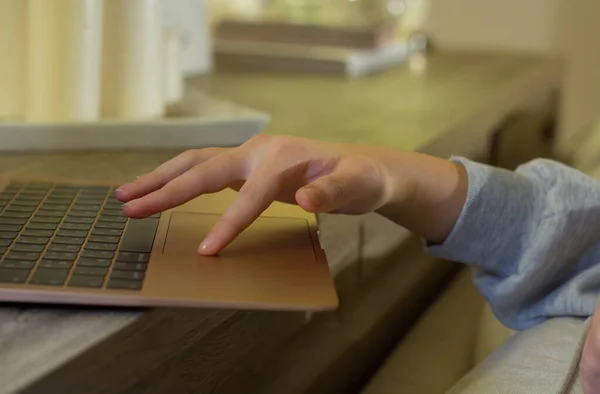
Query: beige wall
569	27
528	25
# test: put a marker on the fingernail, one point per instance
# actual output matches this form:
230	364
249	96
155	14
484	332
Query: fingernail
206	245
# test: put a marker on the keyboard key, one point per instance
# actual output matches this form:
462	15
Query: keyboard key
126	257
8	234
78	220
10	228
104	239
6	196
122	284
83	214
90	200
130	275
140	267
110	225
41	226
38	233
65	189
86	281
39	194
17	264
38	186
26	203
46	219
114	205
90	271
97	254
91	262
60	256
33	240
30	256
58	200
16	214
12	221
13	275
94	188
5	242
139	236
107	231
75	226
112	219
64	248
68	240
52	214
28	248
72	233
3	250
112	212
86	207
20	208
55	207
56	264
99	246
50	277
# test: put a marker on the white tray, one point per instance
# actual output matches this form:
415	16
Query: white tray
199	121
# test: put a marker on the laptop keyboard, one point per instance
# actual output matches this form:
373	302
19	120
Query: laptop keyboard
73	236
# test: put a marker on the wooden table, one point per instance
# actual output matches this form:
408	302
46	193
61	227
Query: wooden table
451	106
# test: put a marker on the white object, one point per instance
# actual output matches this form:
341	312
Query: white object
12	66
173	84
191	18
63	60
202	121
132	59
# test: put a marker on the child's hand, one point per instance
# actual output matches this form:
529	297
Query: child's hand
318	176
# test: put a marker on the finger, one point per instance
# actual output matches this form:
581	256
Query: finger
166	172
351	187
254	197
590	360
209	177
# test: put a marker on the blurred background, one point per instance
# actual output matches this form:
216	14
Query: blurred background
110	95
548	27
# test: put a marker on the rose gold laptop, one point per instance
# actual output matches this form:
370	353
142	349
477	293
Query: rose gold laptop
70	243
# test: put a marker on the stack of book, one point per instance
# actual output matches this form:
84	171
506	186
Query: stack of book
279	45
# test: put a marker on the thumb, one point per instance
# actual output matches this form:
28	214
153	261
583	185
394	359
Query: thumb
348	188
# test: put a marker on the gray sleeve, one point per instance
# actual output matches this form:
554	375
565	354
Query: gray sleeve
532	237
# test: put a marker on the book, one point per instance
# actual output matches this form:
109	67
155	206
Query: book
249	56
357	36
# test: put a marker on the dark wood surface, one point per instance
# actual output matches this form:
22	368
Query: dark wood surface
452	106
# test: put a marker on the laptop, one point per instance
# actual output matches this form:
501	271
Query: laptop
70	243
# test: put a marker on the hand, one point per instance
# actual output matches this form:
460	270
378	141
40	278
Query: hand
318	176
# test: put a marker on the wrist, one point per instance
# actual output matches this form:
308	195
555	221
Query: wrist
426	194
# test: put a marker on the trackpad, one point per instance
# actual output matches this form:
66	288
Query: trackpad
267	237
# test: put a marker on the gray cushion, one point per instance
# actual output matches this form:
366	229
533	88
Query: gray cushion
542	360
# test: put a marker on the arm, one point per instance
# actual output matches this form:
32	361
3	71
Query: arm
533	237
531	234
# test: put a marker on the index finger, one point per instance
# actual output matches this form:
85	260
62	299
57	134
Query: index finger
259	191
